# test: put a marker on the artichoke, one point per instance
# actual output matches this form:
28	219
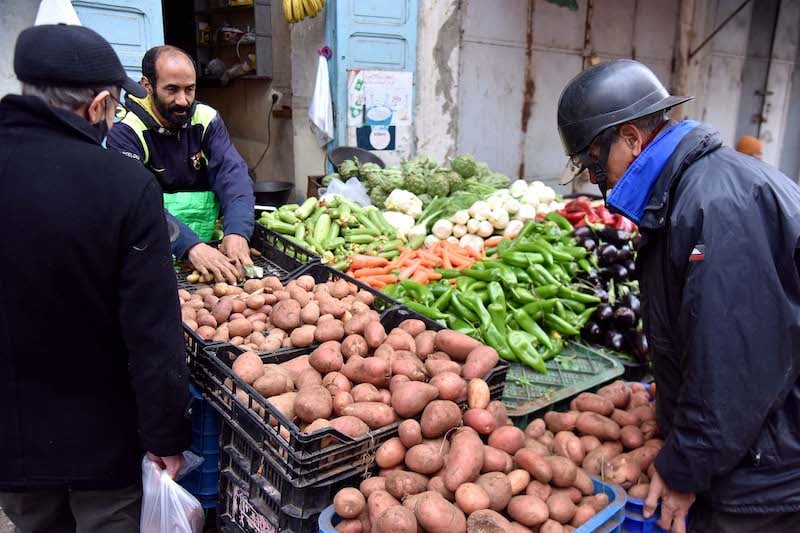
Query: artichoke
426	199
454	180
496	180
415	181
425	162
438	185
366	168
326	180
465	165
348	168
482	169
378	197
391	179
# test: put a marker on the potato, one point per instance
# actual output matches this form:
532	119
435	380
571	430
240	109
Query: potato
384	351
441	356
602	427
624	470
465	460
396	381
437	515
516	527
308	378
582	515
639	399
456	345
639	491
365	297
564	471
507	438
223	334
249	367
561	508
497	485
341	400
390	454
537	465
336	382
372	370
222	310
207	320
397	519
528	510
331	306
649	429
499	413
410	433
451	386
401	484
438	417
374	414
471	497
374	332
284	403
331	330
439	366
296	365
561	421
587	401
594	461
313	402
372	484
598	502
401	340
205	332
303	336
480	420
495	460
424	459
536	428
644	456
566	444
551	526
272	384
378	502
590	443
487	521
365	392
537	488
538	447
631	437
409	365
309	314
478	395
618	392
480	361
350	425
349	502
354	344
286	314
645	413
425	344
583	482
410	399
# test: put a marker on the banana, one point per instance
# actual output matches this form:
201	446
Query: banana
310	7
287	10
317	7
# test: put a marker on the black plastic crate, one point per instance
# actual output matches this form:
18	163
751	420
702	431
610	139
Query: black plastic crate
323	273
255	496
305	458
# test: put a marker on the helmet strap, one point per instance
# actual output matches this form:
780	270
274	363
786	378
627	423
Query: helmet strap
599	170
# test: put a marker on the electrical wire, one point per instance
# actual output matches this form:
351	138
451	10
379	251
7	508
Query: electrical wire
269	134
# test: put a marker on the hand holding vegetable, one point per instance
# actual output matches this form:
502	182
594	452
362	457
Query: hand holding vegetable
211	262
235	247
674	505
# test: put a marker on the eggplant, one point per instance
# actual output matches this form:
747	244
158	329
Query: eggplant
637	342
588	243
636	241
605	273
631	266
591	277
624	254
592	332
604	313
584	232
624	318
608	254
614	340
602	294
632	302
619	272
614	236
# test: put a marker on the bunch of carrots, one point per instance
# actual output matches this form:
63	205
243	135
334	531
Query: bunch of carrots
418	265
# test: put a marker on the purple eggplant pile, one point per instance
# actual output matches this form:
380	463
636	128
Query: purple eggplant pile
616	323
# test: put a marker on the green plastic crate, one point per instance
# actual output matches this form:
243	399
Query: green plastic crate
579	368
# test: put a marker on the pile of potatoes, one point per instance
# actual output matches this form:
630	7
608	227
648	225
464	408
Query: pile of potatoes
264	315
479	473
371	378
613	433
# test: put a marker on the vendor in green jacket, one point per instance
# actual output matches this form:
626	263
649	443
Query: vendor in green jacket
186	146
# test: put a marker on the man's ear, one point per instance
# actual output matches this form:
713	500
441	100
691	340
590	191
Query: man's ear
144	82
96	111
632	138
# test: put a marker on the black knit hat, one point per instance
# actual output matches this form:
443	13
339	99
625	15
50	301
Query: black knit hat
70	56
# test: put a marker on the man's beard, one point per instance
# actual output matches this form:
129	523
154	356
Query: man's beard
167	112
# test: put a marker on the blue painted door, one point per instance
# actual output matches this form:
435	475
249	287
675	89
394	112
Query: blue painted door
131	26
368	35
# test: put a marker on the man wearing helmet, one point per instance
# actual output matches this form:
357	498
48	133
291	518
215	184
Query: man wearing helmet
718	268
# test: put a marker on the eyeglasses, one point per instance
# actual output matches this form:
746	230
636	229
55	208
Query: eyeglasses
120	112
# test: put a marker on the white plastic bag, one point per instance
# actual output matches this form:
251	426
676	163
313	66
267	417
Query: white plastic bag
166	506
353	189
56	12
320	111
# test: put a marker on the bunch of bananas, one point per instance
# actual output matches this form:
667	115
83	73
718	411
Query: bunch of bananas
297	10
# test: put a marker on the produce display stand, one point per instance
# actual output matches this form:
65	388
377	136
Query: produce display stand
609	520
529	394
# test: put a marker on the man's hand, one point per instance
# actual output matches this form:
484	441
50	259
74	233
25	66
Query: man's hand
210	262
238	251
674	505
172	463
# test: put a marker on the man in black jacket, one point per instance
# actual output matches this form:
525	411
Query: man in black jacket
92	371
718	269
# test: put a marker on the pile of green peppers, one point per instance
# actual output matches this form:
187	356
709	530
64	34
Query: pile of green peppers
336	229
522	303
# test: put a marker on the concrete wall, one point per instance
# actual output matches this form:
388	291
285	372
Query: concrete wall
15	16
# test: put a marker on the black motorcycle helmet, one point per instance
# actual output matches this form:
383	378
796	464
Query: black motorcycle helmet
606	95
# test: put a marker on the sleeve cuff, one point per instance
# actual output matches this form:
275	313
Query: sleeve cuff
183	243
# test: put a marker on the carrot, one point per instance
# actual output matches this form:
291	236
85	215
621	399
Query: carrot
446	263
359	261
493	241
410	269
420	276
459	261
370	271
380	278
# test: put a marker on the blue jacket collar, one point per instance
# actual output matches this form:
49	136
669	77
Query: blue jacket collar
631	193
